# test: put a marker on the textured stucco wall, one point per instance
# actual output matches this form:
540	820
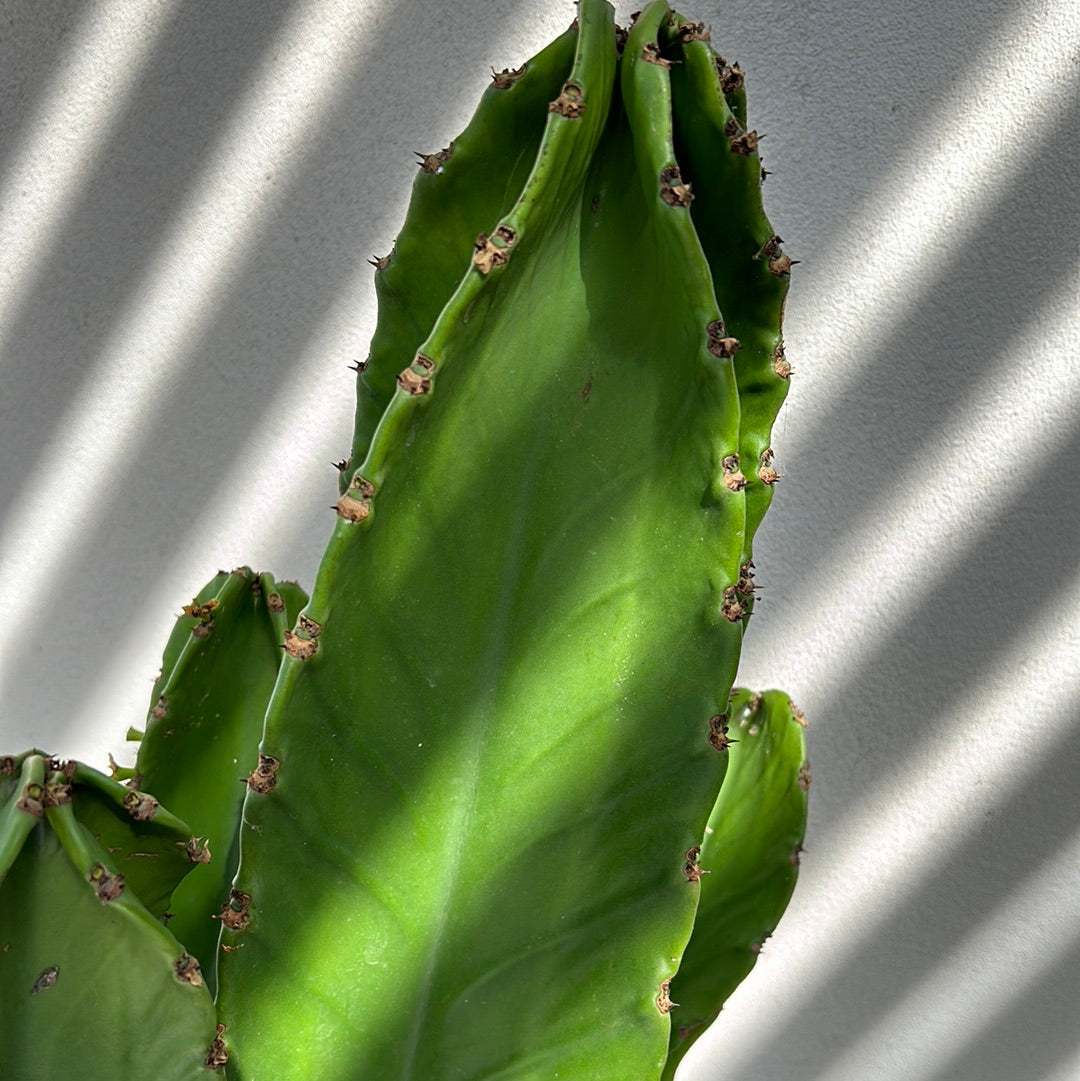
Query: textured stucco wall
188	194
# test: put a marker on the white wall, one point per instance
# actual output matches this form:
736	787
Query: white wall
188	193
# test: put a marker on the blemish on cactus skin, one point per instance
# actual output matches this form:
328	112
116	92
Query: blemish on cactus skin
201	611
780	364
691	868
46	980
416	379
503	80
235	913
804	776
570	102
355	504
795	858
797	714
275	602
8	768
718	732
651	55
202	630
263	777
490	252
433	163
106	885
32	801
733	607
672	189
140	806
733	479
719	344
218	1054
741	142
197	849
767	474
663	999
160	709
731	78
187	970
779	263
694	32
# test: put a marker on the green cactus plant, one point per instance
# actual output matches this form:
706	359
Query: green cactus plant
486	831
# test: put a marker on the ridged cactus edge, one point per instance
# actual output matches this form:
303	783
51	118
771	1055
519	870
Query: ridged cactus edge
485	804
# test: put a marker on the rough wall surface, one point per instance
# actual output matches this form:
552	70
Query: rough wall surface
189	192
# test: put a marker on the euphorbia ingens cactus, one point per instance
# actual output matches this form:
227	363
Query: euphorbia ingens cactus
483	804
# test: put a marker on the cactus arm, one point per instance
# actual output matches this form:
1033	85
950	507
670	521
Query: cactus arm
751	850
488	774
203	730
90	965
749	269
456	195
23	807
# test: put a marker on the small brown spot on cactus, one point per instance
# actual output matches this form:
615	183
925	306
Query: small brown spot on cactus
160	709
718	732
586	390
719	344
797	715
804	776
779	263
570	102
732	607
263	777
232	949
594	204
487	254
780	363
57	793
46	980
795	857
352	510
197	849
731	78
106	885
691	868
306	625
187	970
201	611
416	379
140	806
694	32
235	913
303	649
32	800
621	35
733	479
275	602
767	474
8	768
757	947
746	584
503	80
202	630
663	999
218	1054
741	142
433	163
672	189
651	54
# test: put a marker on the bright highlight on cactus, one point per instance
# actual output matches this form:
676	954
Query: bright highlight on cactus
463	813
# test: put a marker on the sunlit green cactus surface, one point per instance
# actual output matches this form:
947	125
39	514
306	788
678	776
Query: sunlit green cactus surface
485	796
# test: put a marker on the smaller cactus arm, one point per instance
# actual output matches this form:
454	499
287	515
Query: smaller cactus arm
22	780
456	195
84	964
750	270
749	858
203	730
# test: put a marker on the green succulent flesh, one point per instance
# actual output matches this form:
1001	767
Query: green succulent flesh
493	826
203	730
87	972
492	744
750	856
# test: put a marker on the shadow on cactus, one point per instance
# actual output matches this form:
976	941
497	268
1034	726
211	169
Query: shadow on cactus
503	816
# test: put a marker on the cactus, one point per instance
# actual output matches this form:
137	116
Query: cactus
486	773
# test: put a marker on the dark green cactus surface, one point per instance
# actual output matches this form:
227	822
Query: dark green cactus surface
485	817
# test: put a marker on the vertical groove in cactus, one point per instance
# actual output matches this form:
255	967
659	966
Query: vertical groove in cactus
749	858
85	966
491	734
203	730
